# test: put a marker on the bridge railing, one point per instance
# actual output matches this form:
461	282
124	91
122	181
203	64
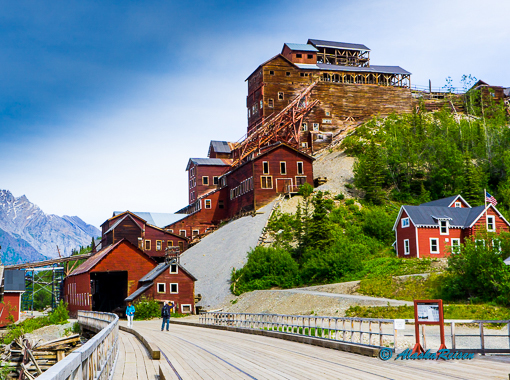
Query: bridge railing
479	336
96	358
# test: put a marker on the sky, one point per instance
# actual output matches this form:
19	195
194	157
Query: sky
102	103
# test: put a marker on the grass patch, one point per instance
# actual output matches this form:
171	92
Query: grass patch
455	311
409	289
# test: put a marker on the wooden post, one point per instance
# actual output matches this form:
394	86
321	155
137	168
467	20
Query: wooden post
424	337
453	335
395	338
482	340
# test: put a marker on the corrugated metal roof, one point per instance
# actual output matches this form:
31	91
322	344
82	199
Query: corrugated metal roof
507	261
153	274
14	280
138	292
309	66
338	45
209	162
301	47
94	260
158	219
372	69
220	146
445	202
459	217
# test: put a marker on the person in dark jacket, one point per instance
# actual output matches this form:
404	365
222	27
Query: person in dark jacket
165	314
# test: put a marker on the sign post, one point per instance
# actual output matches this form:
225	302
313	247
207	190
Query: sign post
428	312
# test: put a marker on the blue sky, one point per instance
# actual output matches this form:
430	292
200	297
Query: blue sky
102	103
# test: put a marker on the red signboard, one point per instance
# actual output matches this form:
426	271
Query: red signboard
428	312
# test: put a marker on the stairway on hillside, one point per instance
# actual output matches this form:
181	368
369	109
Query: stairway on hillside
212	259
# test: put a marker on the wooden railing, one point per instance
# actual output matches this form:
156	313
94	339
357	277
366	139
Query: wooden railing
371	331
95	359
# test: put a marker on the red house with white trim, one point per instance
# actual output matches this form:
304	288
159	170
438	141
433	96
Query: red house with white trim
433	229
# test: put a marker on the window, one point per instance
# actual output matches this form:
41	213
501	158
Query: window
181	245
186	308
271	72
491	223
270	103
302	74
479	243
215	180
406	247
283	167
265	167
304	145
195	232
207	203
174	269
315	126
405	222
261	104
205	181
309	56
182	233
299	55
304	127
328	113
147	245
169	243
161	287
327	121
159	245
287	74
458	204
140	243
455	246
496	243
443	227
174	288
172	231
434	245
280	96
300	168
220	204
266	182
249	112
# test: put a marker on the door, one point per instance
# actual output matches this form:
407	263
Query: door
283	184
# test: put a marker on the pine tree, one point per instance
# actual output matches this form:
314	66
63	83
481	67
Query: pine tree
369	174
472	190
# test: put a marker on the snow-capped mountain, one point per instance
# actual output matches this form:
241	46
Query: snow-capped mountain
26	222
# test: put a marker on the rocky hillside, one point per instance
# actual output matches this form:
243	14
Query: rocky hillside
28	234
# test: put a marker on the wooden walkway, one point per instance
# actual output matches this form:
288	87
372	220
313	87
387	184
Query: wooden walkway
200	353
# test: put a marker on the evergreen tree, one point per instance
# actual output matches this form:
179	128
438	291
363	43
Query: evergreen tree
369	174
320	234
472	190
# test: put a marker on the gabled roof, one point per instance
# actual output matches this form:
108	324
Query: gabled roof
337	45
94	260
428	216
209	162
160	268
446	202
220	147
156	219
301	47
127	216
14	280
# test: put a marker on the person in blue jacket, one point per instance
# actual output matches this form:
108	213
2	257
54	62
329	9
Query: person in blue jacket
130	313
165	314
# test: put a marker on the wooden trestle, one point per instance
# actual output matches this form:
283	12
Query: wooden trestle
282	127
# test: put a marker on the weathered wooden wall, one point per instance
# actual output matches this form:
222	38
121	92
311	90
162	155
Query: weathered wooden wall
186	291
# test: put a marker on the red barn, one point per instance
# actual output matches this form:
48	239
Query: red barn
433	229
10	295
140	230
168	282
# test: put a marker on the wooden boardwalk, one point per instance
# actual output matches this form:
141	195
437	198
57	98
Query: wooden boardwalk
200	353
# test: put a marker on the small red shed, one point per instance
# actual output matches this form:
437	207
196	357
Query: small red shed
10	295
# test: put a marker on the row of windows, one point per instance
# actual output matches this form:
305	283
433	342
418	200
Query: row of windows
243	188
159	244
205	180
444	225
192	172
304	127
161	288
192	183
455	245
283	167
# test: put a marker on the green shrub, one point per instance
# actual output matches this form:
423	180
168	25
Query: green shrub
409	289
146	308
339	197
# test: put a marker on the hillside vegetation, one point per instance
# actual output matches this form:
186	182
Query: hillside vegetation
402	159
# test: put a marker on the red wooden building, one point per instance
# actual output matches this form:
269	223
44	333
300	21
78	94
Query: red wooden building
105	280
168	282
203	175
135	228
12	286
435	228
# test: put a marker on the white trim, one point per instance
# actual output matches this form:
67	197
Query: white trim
302	167
459	204
402	222
463	200
170	269
174	283
190	308
396	241
452	245
285	164
417	243
430	246
284	179
408	247
164	288
493	217
485	210
447	227
184	233
403	208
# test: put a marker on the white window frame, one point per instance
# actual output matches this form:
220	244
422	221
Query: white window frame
437	246
316	126
284	166
405	222
164	288
493	218
176	269
304	127
267	176
407	248
186	305
479	242
206	177
177	285
458	205
447	227
193	232
215	180
455	247
160	245
302	168
264	163
498	242
304	145
208	203
182	234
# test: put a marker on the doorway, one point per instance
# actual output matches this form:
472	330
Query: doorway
109	289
